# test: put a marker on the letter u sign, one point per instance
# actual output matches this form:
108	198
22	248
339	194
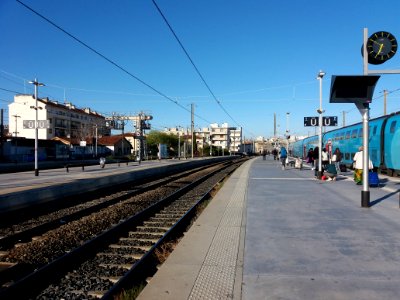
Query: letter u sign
314	121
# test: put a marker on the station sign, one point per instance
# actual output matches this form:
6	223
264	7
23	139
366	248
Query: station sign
326	121
30	124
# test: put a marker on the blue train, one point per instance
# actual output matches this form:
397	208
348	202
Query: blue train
384	143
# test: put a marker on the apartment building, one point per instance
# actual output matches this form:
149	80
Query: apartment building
54	120
236	144
220	137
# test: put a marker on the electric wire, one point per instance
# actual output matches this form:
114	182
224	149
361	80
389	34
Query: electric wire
108	59
193	64
10	91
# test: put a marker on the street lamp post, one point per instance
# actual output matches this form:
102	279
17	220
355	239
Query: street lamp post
16	137
179	142
36	84
320	111
287	130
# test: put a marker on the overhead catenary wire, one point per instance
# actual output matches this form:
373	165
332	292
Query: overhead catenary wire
108	59
193	64
10	91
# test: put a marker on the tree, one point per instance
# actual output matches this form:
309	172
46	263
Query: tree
156	137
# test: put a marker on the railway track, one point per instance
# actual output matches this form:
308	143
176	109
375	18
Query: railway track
26	230
120	256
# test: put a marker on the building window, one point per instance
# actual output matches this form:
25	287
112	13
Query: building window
393	127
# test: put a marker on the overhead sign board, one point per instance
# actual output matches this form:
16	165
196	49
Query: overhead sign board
352	89
30	124
326	121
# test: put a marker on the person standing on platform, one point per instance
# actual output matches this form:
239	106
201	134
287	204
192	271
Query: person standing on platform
283	156
358	166
325	158
336	159
316	161
310	157
275	154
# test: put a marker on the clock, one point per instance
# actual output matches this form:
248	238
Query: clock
381	46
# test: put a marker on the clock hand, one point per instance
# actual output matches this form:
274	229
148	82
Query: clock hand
380	49
375	42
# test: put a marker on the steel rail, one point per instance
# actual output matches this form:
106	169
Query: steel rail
34	283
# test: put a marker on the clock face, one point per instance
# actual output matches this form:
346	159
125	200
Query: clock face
381	46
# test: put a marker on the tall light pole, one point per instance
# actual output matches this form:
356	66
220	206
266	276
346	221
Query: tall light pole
16	136
320	111
287	130
179	142
36	84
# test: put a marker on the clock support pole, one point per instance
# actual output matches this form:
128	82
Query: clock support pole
364	111
365	59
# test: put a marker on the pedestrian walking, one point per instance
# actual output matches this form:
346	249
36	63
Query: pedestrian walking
283	156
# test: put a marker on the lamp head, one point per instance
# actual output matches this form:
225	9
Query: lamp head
34	82
321	74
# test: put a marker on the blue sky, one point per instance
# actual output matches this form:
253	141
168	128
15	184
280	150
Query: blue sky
257	57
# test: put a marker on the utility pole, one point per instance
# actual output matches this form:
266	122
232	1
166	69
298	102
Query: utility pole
344	118
16	136
36	84
192	129
385	92
179	142
1	132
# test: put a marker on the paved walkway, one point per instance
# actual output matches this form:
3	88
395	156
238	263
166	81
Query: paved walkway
274	234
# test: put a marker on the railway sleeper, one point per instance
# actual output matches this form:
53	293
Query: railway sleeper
159	224
143	248
116	255
150	240
168	215
135	242
147	235
153	229
112	279
164	220
135	252
179	210
121	266
97	294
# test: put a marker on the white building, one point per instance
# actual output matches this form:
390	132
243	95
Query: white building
223	138
63	120
235	140
219	136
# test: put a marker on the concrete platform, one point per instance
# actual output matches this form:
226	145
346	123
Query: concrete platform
20	190
282	234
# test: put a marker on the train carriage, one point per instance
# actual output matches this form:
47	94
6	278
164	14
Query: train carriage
390	162
384	143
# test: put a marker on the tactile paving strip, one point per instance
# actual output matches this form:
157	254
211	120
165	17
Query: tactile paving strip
217	275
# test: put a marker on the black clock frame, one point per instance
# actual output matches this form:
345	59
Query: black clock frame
381	38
